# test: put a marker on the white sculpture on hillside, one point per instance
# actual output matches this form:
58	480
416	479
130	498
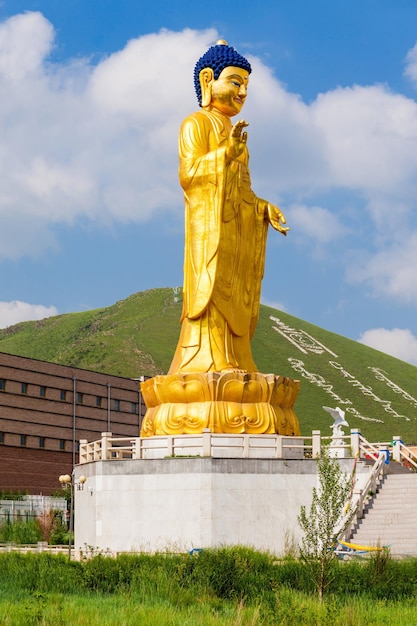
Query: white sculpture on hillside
337	449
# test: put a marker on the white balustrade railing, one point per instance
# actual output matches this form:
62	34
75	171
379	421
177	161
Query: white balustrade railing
222	445
206	444
41	546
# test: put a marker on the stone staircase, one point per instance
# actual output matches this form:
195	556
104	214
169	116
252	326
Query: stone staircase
390	517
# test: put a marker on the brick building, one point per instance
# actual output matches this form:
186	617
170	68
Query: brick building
45	409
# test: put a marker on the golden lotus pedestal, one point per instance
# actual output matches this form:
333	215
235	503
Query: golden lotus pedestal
225	402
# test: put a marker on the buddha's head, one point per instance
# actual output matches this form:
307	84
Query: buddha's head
221	77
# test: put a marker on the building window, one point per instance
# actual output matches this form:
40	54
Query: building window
62	444
1	437
42	391
80	398
41	442
63	395
24	388
22	440
2	384
98	401
133	407
116	405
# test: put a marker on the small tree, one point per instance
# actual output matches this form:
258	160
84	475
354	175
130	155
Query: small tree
320	524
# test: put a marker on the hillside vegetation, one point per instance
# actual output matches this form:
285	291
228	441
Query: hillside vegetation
138	336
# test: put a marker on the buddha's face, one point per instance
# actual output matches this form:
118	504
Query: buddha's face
228	92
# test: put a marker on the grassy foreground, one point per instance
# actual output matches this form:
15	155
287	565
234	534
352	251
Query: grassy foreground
122	610
227	586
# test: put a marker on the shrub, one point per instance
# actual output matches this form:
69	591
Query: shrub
39	572
59	536
230	573
12	495
20	532
49	523
103	574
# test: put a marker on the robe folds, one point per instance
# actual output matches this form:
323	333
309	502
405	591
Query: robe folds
225	241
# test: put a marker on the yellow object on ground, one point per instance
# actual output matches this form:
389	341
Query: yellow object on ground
356	546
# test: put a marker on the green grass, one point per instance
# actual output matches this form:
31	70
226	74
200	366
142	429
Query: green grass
127	610
138	336
229	586
120	610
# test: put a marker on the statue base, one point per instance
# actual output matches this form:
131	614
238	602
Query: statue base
225	402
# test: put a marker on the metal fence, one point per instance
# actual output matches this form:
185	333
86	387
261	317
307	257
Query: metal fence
30	507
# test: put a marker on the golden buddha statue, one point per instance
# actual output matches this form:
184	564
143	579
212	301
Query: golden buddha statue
226	228
226	223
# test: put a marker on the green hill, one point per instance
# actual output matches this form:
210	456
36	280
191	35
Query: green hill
138	336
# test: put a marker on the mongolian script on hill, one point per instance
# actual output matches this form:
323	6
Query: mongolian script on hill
308	345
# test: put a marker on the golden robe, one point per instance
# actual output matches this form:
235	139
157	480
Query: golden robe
225	240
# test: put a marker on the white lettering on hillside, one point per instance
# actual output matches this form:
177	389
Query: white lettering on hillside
317	379
383	376
366	390
308	344
299	338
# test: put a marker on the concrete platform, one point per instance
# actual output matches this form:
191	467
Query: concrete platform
178	504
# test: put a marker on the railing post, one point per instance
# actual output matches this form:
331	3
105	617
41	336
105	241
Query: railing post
170	445
355	442
105	444
316	444
375	478
83	451
206	442
359	494
136	448
396	449
245	450
278	449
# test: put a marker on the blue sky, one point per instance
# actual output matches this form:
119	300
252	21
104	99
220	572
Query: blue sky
93	92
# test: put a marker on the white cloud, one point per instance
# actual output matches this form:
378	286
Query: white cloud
391	271
96	142
25	40
273	304
369	137
400	343
316	223
15	312
411	65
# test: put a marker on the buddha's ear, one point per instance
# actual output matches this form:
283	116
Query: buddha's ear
206	78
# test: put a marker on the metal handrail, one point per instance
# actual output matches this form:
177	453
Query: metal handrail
355	506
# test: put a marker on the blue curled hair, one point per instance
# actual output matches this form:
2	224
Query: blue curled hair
217	58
